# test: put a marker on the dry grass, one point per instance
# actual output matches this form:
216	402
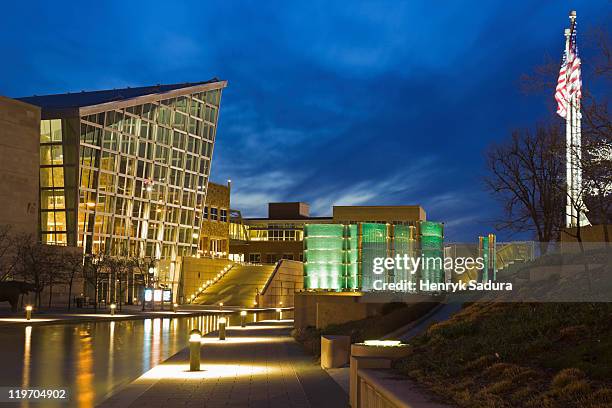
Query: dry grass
518	355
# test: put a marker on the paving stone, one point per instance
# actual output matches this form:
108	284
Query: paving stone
263	368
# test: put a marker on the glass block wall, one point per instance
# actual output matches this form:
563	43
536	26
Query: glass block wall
341	257
487	250
404	243
324	253
431	240
374	244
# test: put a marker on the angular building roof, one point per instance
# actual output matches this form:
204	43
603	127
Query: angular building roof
88	102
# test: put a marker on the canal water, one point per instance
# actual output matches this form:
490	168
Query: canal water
90	360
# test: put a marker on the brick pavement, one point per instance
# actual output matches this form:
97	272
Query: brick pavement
258	366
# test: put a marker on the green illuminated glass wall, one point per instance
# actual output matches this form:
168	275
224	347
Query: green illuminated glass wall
323	256
489	255
431	241
351	257
404	244
374	244
341	257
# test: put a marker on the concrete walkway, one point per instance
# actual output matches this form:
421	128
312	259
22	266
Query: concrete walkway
258	366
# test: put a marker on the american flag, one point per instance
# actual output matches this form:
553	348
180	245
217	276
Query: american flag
570	81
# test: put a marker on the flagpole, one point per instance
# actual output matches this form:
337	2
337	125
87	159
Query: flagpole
569	208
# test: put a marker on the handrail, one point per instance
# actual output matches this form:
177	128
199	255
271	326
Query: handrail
272	275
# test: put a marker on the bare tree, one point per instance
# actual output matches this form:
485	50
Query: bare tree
72	264
7	255
95	272
36	263
524	175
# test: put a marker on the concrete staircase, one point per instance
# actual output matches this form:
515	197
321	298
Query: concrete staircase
238	287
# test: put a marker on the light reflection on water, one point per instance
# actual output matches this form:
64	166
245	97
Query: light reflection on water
91	360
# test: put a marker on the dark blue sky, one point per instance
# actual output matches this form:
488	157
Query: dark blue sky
343	103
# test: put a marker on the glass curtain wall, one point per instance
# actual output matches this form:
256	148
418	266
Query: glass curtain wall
143	176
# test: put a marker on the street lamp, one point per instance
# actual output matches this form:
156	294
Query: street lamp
222	323
28	310
195	337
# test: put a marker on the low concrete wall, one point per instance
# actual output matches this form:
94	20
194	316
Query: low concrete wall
320	309
286	280
373	384
196	271
593	236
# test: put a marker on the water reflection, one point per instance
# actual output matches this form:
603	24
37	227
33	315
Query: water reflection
84	371
91	359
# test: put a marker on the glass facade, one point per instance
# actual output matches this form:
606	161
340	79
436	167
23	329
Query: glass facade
341	256
130	181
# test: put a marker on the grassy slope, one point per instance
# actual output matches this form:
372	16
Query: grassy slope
365	329
518	355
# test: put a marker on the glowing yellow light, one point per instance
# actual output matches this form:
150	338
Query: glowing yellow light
113	306
28	308
382	343
221	304
222	320
243	313
278	309
213	371
195	336
194	235
90	204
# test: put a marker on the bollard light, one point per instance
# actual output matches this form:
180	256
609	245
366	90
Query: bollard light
174	307
280	314
28	310
112	308
221	305
222	323
243	318
195	342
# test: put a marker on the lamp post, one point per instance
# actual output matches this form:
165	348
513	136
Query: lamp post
112	308
195	337
243	318
28	310
222	323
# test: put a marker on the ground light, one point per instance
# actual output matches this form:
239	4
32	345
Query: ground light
383	343
112	309
175	307
195	342
28	310
222	323
243	318
280	313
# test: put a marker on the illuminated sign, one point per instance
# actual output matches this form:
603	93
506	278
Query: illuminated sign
167	295
148	295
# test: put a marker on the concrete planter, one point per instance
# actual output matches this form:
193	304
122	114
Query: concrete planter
334	351
366	356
